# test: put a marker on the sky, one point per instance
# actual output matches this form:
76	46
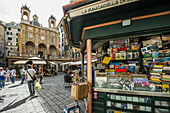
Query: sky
10	10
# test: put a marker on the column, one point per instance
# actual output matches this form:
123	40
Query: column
36	49
82	66
89	74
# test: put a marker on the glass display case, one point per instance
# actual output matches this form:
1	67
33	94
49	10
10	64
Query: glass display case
132	75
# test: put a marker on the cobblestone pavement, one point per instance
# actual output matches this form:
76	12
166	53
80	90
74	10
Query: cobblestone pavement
50	99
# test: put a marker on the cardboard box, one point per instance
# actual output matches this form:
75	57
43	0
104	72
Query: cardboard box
79	91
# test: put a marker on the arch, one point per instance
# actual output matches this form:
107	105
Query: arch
30	47
53	50
25	16
42	49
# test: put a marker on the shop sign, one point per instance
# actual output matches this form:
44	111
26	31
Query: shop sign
98	6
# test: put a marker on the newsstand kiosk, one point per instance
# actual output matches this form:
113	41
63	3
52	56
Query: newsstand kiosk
131	39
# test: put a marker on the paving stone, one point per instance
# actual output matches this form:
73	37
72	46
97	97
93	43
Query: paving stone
56	108
51	103
51	99
39	109
52	111
20	111
30	110
42	112
37	105
58	102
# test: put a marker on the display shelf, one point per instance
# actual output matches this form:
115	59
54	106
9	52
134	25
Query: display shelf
142	93
127	110
125	60
163	107
136	103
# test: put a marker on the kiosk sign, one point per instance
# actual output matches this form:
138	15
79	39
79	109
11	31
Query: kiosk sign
98	6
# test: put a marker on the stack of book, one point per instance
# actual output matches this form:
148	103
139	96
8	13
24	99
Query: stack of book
166	75
155	75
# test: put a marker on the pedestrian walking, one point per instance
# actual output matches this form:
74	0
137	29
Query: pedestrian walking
30	77
2	78
41	74
52	72
22	71
13	75
7	75
66	69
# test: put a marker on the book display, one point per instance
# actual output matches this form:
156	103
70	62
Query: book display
140	64
132	69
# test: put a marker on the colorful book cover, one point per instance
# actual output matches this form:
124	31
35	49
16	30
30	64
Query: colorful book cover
124	106
106	60
123	56
165	88
114	56
141	82
114	50
127	55
135	107
118	56
130	56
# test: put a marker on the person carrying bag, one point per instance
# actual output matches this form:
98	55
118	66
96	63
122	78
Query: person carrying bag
30	77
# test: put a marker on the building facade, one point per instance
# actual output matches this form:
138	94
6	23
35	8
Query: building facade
65	50
36	40
2	44
11	36
61	35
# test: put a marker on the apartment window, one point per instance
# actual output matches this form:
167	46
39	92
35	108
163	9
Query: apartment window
62	35
62	39
7	33
52	39
16	39
42	37
11	33
16	44
9	38
59	39
30	28
62	44
30	35
18	29
42	31
16	34
52	34
59	45
9	43
9	28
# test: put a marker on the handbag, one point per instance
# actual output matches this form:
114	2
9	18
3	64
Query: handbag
33	78
38	86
